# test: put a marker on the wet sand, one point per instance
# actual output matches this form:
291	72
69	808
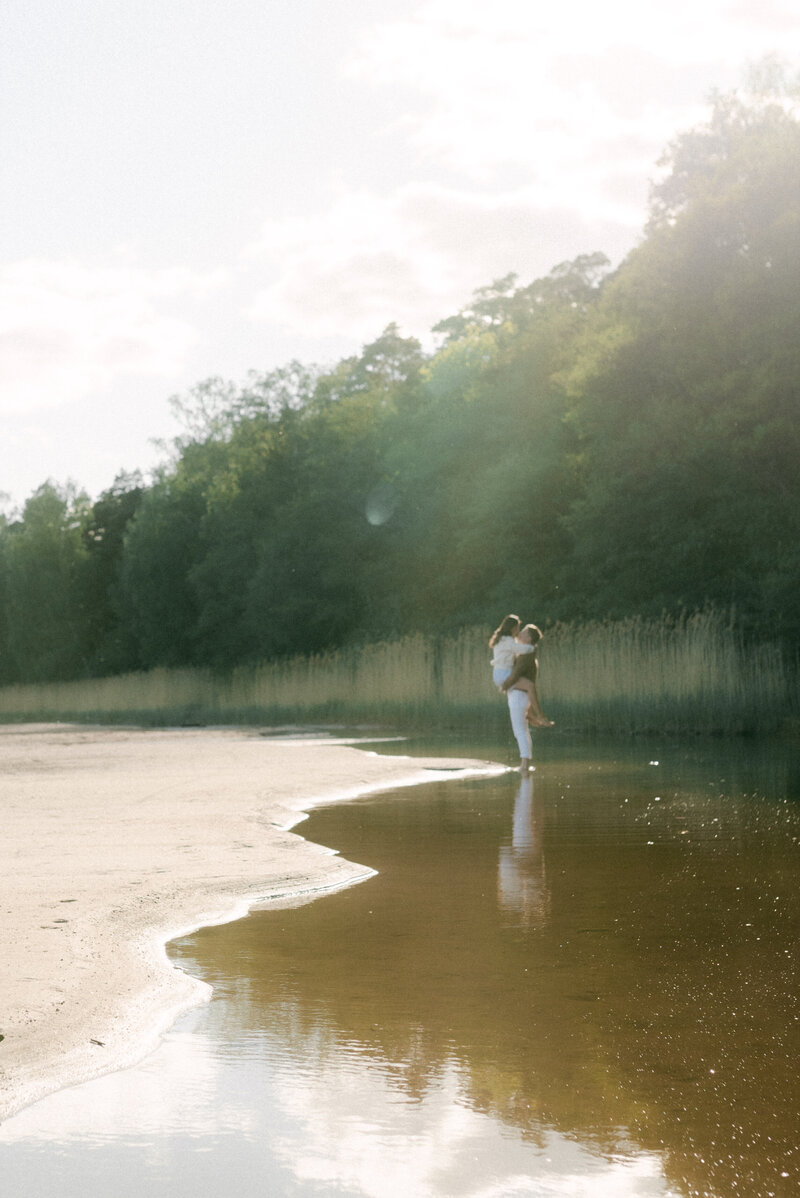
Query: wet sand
114	841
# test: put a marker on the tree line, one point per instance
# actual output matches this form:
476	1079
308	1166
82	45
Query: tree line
597	443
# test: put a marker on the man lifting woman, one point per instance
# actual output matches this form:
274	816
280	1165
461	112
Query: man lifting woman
515	666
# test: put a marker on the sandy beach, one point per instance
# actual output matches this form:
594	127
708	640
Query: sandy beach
114	841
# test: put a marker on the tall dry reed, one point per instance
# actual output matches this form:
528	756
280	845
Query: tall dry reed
687	674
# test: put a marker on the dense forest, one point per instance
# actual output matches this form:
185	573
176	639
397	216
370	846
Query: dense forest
597	443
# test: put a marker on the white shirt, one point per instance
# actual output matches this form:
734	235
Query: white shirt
506	649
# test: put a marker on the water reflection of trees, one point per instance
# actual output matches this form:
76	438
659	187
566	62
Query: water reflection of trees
641	988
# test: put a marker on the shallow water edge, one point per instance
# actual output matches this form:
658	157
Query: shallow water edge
123	826
576	984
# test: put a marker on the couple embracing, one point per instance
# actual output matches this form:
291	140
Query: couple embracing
515	666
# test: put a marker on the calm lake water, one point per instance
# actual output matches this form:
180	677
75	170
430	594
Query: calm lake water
584	983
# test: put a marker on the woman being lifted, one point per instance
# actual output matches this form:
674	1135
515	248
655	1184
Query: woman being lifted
515	664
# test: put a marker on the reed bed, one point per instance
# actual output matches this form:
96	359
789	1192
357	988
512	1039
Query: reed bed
690	674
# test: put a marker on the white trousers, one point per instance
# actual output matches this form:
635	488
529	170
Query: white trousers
517	702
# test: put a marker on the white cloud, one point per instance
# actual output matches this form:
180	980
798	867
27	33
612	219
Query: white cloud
68	329
537	130
766	17
521	84
417	255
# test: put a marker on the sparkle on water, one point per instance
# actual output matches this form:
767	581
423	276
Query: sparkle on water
582	983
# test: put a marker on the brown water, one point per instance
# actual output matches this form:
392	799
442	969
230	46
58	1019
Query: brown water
581	984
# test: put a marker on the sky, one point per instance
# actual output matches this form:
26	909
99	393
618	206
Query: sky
193	188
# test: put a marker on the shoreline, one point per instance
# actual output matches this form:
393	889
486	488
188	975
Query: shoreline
117	841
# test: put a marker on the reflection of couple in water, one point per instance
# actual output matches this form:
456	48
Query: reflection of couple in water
515	667
522	889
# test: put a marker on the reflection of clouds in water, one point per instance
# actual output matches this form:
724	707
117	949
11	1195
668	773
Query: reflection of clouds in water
352	1130
521	880
174	1090
255	1116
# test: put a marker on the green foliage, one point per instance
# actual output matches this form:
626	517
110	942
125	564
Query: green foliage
592	444
112	648
161	547
43	558
685	395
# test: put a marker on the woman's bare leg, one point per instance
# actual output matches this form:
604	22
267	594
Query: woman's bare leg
533	712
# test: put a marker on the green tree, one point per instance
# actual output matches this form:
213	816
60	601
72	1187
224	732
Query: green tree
44	555
685	393
482	463
112	648
162	542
